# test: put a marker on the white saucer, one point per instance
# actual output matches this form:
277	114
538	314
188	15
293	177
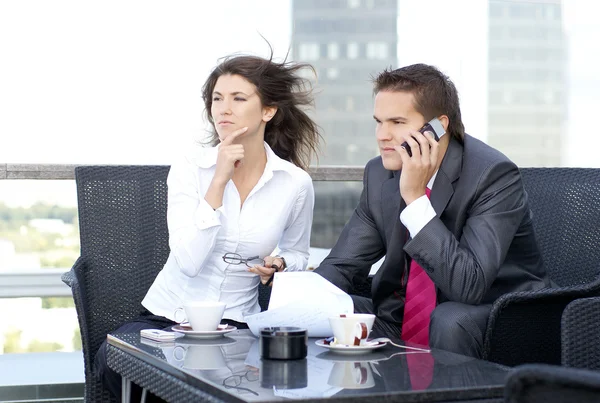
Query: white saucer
349	350
205	334
369	356
187	341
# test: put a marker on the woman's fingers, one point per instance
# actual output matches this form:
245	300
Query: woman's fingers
262	271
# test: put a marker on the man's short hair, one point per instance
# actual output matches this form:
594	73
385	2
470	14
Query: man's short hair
434	93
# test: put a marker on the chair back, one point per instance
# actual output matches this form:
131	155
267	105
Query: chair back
566	214
580	335
525	327
124	244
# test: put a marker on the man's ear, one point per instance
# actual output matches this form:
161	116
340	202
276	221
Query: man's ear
269	112
444	121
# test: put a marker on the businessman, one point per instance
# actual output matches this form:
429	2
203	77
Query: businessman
451	218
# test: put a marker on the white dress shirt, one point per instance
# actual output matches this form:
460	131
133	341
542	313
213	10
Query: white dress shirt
276	214
418	213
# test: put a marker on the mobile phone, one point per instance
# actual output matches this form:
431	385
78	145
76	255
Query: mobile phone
158	335
434	126
158	344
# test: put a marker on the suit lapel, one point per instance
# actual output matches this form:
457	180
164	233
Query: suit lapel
389	276
449	172
392	204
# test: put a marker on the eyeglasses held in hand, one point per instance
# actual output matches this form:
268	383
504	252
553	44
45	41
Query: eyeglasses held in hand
235	258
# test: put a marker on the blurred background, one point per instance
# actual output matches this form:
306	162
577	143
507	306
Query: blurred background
119	82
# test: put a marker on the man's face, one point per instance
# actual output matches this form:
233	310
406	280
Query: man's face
395	116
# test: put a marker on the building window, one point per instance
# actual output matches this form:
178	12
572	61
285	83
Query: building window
352	51
333	51
332	73
308	51
497	10
377	50
349	104
548	97
353	3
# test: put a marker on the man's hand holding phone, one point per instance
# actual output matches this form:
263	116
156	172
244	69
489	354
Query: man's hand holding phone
419	154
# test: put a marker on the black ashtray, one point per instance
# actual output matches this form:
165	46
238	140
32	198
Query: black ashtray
283	343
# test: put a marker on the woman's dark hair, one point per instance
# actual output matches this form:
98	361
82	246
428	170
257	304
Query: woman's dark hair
434	93
291	133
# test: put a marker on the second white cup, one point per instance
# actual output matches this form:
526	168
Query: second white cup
352	329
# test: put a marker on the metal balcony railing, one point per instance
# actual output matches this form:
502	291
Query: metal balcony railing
46	282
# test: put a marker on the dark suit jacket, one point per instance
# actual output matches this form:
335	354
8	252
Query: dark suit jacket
480	245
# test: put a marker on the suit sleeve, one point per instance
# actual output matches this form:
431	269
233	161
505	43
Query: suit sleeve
358	247
464	269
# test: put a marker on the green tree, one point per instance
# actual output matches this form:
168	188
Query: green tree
57	302
12	341
77	346
37	346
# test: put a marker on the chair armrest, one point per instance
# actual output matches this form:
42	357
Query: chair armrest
549	383
524	327
71	279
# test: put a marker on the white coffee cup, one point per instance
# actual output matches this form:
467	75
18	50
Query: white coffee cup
202	315
351	375
199	356
352	329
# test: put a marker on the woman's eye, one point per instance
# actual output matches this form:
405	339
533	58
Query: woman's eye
216	98
239	99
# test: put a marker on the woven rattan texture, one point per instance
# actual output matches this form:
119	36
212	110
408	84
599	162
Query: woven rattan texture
162	384
536	383
124	244
581	334
524	327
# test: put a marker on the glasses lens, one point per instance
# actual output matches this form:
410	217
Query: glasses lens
233	381
252	376
232	258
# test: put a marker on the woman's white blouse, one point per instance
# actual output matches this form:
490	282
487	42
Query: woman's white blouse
276	214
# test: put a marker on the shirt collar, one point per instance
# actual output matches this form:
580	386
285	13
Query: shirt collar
207	158
430	183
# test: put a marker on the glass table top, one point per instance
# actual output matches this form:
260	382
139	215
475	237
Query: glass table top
233	364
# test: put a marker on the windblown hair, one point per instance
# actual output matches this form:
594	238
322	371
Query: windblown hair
433	91
291	133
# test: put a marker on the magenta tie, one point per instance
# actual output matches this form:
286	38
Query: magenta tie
419	303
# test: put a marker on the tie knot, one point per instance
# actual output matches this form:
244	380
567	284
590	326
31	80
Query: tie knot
428	192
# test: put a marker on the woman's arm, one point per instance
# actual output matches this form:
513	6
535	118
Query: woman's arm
193	224
294	245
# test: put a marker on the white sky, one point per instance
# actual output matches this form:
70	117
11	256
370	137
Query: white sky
119	81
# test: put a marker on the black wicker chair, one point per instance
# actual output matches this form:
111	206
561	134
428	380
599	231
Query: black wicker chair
525	327
124	244
535	383
581	334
